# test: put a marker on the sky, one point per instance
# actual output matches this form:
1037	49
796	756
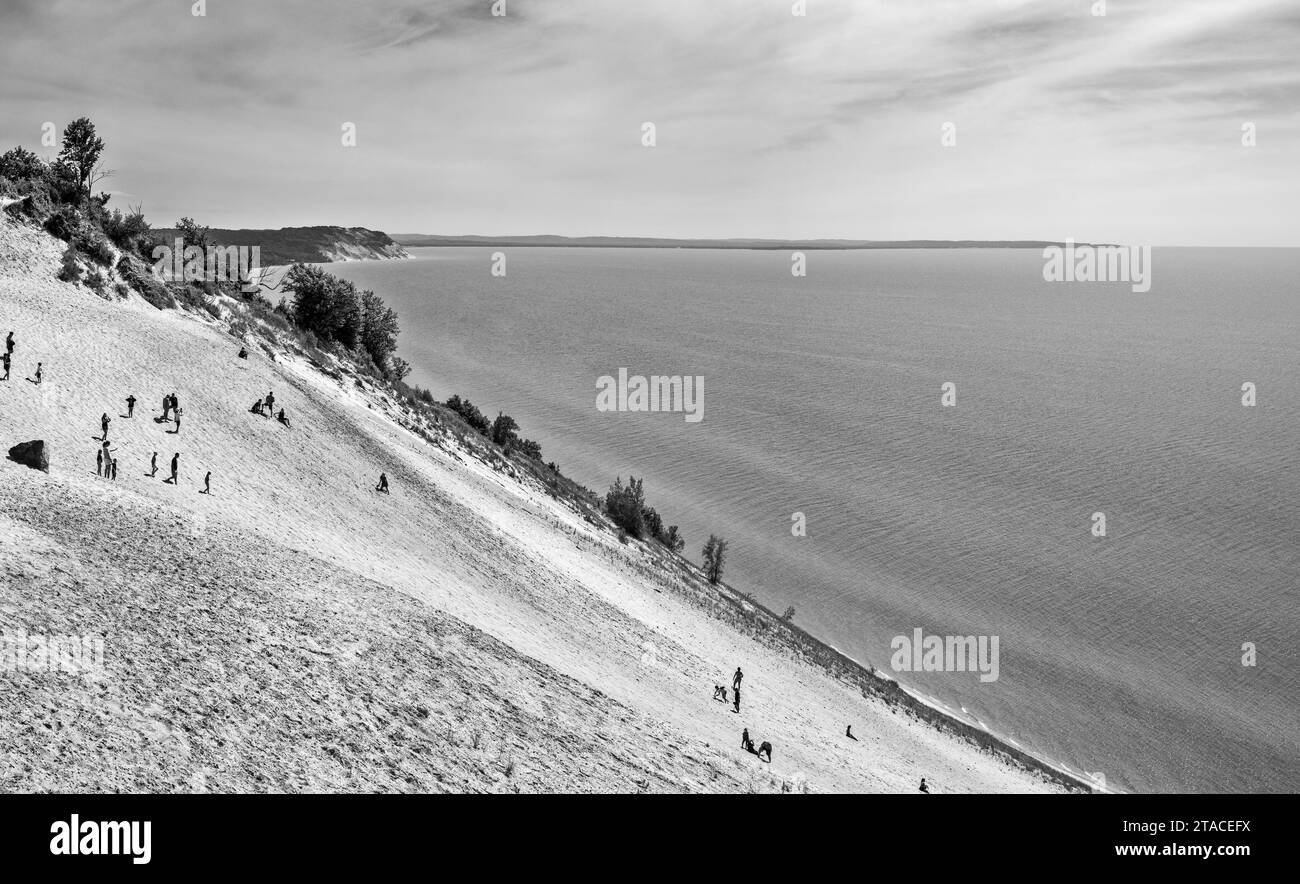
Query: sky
1123	127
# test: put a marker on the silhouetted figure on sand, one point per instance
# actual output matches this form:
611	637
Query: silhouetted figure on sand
383	484
99	462
924	787
257	408
175	431
103	425
130	406
736	693
745	742
737	678
284	419
243	352
848	732
176	465
270	403
9	343
6	365
720	692
207	483
114	477
153	465
39	369
167	407
765	746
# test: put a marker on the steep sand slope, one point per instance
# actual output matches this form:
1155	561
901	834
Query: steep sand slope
599	664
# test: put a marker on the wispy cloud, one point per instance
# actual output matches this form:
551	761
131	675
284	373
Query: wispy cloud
1117	127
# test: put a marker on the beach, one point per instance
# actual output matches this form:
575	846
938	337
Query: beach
296	631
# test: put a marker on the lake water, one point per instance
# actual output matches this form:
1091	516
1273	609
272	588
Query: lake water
1119	654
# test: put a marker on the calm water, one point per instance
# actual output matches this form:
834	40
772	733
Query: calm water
822	395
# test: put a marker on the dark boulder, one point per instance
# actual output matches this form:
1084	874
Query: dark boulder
32	454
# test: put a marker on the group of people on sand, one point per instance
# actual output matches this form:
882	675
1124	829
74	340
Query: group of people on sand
266	408
765	748
7	361
720	693
171	411
106	462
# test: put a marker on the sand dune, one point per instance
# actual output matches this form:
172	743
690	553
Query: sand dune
296	631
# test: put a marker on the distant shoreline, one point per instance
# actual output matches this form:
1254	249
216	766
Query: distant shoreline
420	240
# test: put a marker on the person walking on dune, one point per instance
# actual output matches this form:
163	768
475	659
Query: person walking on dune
737	678
153	465
176	465
39	369
745	742
383	484
6	365
736	693
103	424
207	483
130	406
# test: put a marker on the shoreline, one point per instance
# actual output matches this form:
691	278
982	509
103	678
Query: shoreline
882	684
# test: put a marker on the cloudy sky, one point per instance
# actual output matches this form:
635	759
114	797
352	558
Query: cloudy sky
1124	127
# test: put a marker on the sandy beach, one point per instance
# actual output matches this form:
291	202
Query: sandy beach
297	631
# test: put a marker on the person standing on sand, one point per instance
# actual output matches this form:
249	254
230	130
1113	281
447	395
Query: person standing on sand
114	469
737	678
270	402
176	462
9	343
103	423
178	419
383	484
736	691
130	406
38	372
745	742
153	465
167	405
6	364
207	483
99	462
